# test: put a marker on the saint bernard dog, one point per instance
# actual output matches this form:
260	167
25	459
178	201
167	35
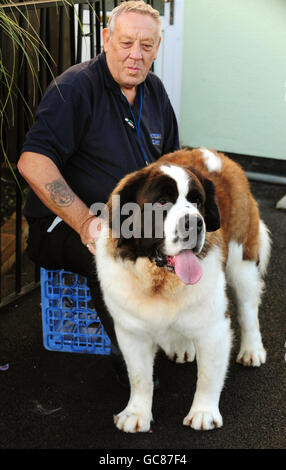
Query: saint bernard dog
167	289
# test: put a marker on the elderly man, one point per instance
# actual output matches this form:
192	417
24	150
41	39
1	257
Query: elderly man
98	121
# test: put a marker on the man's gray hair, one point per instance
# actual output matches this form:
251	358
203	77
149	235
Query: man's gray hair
134	6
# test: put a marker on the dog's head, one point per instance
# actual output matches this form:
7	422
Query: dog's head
163	212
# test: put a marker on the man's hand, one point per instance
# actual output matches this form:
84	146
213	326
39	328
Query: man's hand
89	232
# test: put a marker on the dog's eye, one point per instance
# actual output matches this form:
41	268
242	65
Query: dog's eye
162	202
195	198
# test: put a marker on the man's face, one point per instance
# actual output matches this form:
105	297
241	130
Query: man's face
131	48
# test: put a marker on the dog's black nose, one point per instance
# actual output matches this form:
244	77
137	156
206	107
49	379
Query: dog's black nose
190	223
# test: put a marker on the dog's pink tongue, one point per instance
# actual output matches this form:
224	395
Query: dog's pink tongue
188	267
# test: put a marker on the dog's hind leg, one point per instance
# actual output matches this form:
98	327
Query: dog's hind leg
138	352
245	277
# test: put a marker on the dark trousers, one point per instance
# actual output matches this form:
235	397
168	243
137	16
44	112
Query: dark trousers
62	249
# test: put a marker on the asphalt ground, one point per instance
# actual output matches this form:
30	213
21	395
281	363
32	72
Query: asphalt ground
54	400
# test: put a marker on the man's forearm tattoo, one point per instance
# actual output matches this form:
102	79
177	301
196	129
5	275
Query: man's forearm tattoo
60	193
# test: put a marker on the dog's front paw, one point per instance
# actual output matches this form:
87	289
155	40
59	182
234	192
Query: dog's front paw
203	420
128	421
252	357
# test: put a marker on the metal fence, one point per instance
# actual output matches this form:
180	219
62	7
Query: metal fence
63	38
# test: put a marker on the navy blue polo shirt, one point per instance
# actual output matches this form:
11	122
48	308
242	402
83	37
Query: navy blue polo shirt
85	125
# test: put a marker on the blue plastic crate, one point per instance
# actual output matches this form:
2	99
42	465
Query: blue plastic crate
70	322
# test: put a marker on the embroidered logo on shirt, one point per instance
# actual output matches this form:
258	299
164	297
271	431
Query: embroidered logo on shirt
156	138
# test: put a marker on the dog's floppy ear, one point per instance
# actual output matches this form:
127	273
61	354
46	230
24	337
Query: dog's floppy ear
212	215
127	207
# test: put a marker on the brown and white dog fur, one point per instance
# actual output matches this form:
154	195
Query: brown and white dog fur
152	308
